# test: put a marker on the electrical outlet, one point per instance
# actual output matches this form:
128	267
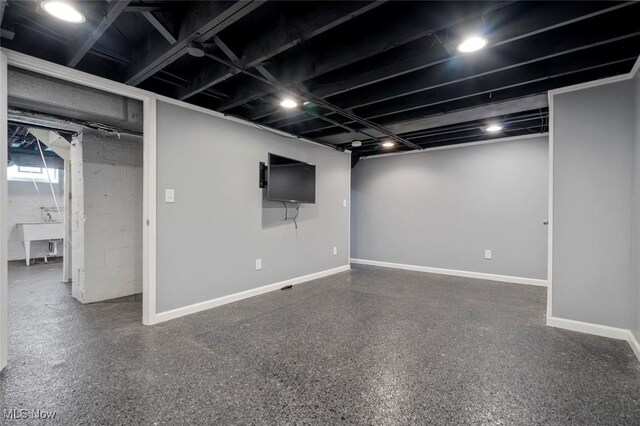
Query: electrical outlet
169	196
258	264
344	203
335	251
487	254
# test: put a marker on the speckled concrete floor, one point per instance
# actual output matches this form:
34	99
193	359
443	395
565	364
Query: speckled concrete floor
369	346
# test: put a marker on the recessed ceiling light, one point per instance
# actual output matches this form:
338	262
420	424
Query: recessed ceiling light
64	11
494	128
472	44
288	103
388	144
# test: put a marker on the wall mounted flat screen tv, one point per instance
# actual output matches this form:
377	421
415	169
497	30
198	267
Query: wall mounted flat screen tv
291	180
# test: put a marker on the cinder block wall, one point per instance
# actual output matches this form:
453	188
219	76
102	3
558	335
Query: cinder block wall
109	217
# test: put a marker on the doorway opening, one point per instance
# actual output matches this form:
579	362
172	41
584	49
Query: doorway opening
74	202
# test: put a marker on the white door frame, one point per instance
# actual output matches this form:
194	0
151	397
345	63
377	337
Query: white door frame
4	232
26	62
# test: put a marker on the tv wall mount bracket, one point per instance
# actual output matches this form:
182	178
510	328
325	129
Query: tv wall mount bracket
262	183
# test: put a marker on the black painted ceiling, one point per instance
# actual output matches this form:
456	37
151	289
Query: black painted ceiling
369	71
20	141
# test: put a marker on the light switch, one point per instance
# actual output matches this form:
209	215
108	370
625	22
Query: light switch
487	254
258	264
169	196
344	203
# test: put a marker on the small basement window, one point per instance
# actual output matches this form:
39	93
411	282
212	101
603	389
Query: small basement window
31	174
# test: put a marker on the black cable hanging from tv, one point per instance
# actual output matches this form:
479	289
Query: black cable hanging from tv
294	217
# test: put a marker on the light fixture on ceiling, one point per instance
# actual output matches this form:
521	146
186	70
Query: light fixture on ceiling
388	144
356	144
494	128
196	50
288	103
472	44
63	10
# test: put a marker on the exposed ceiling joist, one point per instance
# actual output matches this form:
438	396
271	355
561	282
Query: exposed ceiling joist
370	70
511	92
141	7
38	28
454	117
83	45
360	120
281	38
540	114
3	4
563	16
513	106
492	82
159	26
310	64
525	88
201	22
276	85
474	70
236	60
226	50
110	55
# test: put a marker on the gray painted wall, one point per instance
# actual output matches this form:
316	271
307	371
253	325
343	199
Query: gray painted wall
443	208
220	223
593	155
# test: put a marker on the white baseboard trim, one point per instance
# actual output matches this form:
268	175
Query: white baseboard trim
202	306
635	346
466	274
598	330
589	328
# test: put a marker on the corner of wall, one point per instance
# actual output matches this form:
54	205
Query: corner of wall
631	329
3	214
635	225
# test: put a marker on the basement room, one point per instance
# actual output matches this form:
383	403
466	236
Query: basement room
319	212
